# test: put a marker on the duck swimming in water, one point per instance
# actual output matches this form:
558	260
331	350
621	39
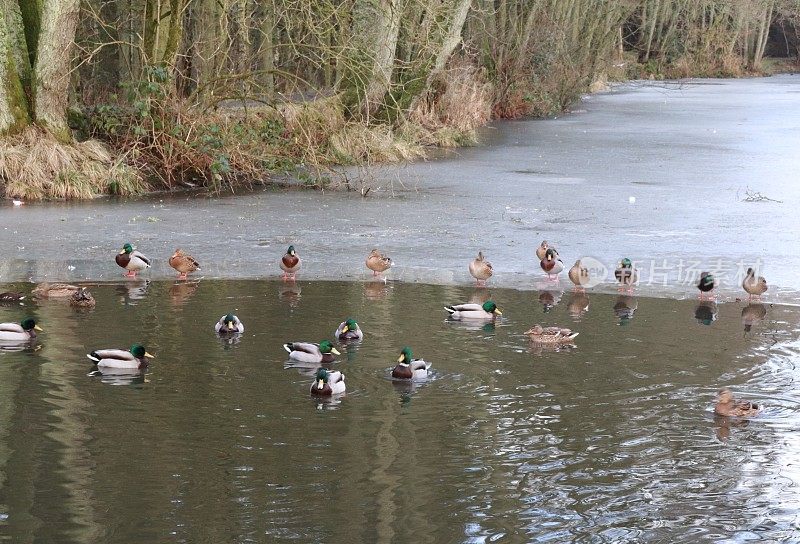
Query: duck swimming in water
727	406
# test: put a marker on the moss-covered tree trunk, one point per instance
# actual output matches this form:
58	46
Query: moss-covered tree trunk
14	108
36	44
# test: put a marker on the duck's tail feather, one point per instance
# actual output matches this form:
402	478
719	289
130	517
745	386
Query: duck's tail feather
93	356
288	347
450	310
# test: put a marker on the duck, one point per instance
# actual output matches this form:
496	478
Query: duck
327	383
290	264
132	260
551	335
551	264
82	299
229	324
378	262
349	330
10	297
706	284
55	290
541	251
480	269
625	273
754	286
305	352
409	368
579	275
183	263
487	310
19	332
727	406
134	359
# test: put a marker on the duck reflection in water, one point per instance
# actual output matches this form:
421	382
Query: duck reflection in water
119	376
549	299
578	305
752	314
723	425
290	294
132	291
706	312
624	308
480	295
376	289
10	346
181	292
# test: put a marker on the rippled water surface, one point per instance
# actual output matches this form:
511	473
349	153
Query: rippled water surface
613	440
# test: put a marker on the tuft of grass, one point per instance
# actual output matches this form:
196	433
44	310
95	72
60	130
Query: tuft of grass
34	165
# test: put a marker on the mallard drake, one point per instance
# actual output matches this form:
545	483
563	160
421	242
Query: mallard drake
327	383
11	298
541	251
625	273
409	368
551	335
19	332
480	269
290	264
706	283
55	290
135	358
349	330
487	310
82	299
551	264
183	263
305	352
229	324
727	406
378	262
579	275
131	260
754	286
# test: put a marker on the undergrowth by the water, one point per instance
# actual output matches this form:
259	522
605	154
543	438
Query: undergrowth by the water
34	165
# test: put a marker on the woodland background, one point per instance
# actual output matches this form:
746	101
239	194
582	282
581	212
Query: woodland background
128	96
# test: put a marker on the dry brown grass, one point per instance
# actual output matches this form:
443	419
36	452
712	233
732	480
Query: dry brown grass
36	166
460	103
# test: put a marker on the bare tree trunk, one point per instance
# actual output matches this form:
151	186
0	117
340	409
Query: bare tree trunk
53	65
375	29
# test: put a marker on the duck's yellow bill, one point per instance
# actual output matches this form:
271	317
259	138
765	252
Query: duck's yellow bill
38	328
320	384
345	329
497	311
335	351
230	325
400	359
149	356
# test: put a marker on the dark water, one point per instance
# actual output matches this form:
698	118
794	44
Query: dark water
611	441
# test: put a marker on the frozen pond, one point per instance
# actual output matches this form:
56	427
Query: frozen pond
686	152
